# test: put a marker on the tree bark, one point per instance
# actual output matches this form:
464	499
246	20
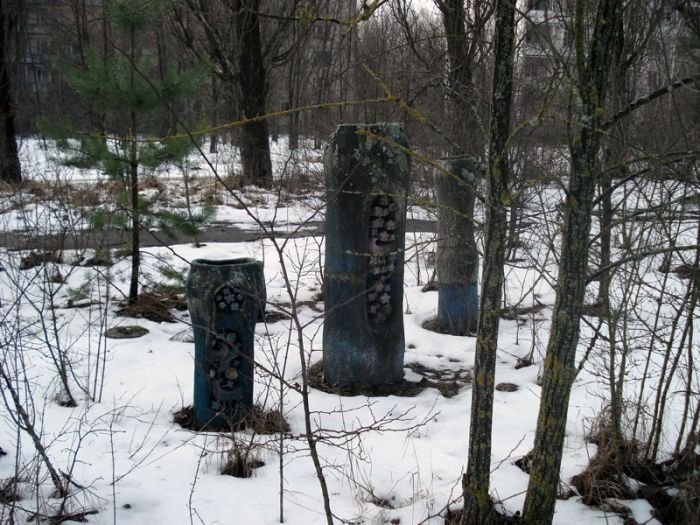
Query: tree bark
466	130
559	366
255	145
10	169
612	155
457	257
475	484
134	183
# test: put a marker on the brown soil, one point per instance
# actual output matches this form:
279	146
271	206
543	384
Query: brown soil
126	332
434	326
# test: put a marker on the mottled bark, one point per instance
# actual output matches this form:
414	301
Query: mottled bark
475	484
592	68
457	255
10	169
462	50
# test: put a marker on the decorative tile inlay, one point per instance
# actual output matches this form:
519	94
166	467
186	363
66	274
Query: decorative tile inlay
382	259
228	299
224	363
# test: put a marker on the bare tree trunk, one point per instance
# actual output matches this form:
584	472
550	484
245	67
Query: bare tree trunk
560	362
134	183
463	51
255	145
10	169
475	484
613	154
293	85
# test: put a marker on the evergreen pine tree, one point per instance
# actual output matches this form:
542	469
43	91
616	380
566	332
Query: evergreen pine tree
126	88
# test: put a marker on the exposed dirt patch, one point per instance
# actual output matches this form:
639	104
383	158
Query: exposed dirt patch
275	317
523	362
434	326
507	387
126	332
521	313
447	381
496	517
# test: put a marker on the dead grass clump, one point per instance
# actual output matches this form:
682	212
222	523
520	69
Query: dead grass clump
55	276
211	194
240	465
37	258
601	480
686	271
152	183
604	477
8	490
154	307
300	182
37	188
101	257
183	417
259	420
266	422
524	463
676	500
672	487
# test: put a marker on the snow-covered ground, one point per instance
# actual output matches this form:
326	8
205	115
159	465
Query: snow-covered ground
386	459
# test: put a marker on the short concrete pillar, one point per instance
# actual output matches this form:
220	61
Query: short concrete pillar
457	257
367	182
225	298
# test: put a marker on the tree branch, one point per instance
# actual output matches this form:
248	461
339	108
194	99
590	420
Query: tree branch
642	101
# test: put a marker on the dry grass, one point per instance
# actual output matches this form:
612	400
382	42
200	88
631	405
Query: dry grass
155	307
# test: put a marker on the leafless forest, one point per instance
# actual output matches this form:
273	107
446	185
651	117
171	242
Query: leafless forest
580	115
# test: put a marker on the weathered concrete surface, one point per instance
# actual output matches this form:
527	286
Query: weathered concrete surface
367	182
224	298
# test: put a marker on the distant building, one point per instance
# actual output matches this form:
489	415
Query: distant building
55	30
545	47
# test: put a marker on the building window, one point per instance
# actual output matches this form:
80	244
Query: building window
538	33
